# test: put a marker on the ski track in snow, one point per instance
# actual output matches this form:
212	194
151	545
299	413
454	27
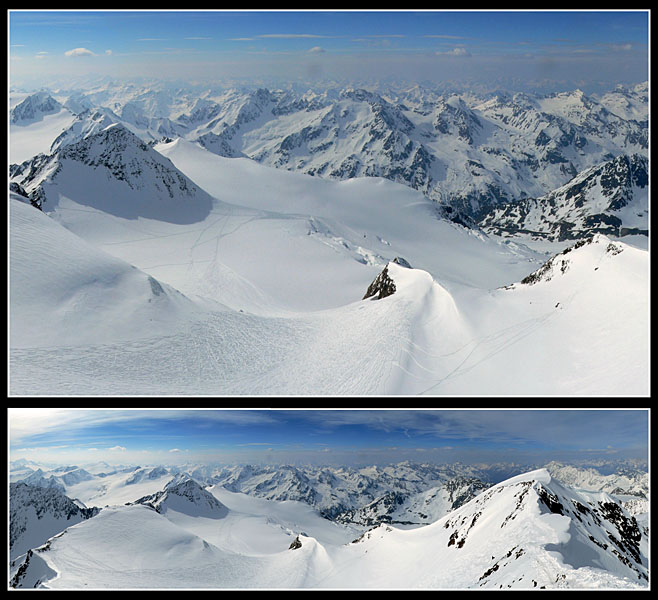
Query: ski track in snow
285	291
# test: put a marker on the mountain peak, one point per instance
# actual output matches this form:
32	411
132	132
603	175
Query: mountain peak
184	495
34	108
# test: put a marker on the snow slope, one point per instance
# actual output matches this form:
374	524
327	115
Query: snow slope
35	122
526	532
123	486
273	266
36	514
65	291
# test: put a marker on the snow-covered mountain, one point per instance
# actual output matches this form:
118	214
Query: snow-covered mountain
128	177
468	152
256	274
402	507
184	495
611	198
625	480
34	122
483	324
37	513
527	532
365	496
34	108
59	280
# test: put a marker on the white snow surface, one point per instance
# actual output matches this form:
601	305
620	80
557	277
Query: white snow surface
527	532
183	272
262	293
35	137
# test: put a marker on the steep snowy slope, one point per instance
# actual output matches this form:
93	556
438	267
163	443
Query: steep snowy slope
65	291
128	179
34	123
527	532
611	198
578	325
36	514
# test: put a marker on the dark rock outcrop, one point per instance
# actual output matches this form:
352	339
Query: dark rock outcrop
381	287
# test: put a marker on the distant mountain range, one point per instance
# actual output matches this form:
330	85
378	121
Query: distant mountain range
529	531
558	166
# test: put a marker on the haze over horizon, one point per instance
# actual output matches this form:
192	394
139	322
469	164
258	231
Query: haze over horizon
521	50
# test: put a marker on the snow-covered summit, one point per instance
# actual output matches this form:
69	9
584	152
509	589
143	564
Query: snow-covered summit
128	177
526	532
34	108
184	495
37	513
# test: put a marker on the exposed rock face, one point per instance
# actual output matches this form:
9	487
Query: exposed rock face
37	513
610	198
145	183
183	494
34	107
381	287
295	545
398	260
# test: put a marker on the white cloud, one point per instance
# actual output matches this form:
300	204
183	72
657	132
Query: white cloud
623	47
175	450
108	52
115	448
446	37
79	52
459	51
292	36
317	50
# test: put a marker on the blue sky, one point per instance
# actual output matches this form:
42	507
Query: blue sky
325	436
588	47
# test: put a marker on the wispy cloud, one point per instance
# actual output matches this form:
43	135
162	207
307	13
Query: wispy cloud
446	37
117	449
79	52
31	423
622	47
317	50
459	51
291	36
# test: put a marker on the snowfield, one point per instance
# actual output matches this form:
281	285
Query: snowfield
526	532
253	284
